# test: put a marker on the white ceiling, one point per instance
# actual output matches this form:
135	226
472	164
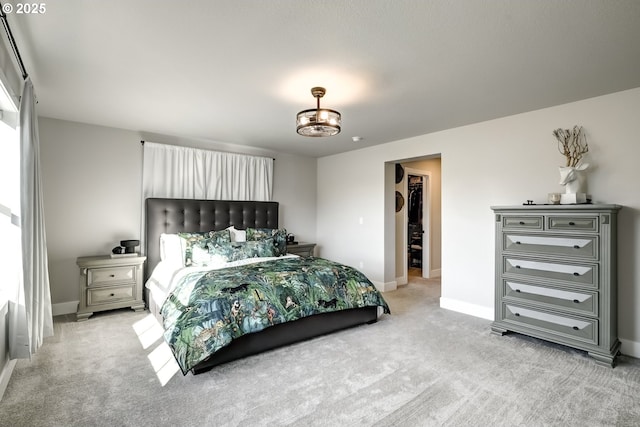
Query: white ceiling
239	71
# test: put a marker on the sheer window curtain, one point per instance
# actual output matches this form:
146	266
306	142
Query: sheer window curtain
191	173
30	318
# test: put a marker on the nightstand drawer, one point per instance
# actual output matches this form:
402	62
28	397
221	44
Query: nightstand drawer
570	273
577	247
577	302
581	329
106	295
106	276
302	249
522	222
577	223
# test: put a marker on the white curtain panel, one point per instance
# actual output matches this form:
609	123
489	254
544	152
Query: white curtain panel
31	320
191	173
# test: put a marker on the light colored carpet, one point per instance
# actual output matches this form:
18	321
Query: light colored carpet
421	366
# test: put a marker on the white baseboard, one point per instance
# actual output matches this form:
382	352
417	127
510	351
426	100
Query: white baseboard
630	348
386	286
5	375
435	273
467	308
401	280
68	307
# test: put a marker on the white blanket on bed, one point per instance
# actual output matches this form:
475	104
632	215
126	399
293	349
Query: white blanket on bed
166	275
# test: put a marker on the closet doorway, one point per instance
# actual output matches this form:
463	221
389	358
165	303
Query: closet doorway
417	223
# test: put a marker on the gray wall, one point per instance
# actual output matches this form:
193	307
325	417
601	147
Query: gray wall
499	162
92	180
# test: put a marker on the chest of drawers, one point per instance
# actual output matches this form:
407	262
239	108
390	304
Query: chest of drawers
108	283
556	275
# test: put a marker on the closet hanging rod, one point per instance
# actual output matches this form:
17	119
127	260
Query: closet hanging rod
12	42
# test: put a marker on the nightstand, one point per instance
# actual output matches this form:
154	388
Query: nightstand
107	283
303	249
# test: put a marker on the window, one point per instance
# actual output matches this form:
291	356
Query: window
10	254
9	168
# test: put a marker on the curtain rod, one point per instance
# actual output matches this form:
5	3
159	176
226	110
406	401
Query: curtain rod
12	42
242	154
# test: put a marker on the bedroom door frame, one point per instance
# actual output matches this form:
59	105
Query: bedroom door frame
426	221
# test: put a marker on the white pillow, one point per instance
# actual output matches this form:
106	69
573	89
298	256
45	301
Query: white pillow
172	248
237	235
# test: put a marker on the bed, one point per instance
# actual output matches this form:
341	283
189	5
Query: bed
171	216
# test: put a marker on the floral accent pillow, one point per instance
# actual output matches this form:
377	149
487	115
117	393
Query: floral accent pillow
203	240
235	251
279	236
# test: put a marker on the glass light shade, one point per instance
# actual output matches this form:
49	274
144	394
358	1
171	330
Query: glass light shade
318	122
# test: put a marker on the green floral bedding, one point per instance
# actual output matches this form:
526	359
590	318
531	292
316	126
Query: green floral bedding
208	309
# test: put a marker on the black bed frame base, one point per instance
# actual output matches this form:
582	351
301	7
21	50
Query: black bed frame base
283	334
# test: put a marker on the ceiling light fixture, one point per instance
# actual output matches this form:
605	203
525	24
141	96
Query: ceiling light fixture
318	121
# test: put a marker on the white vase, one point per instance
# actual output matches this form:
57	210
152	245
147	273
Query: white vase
574	181
573	178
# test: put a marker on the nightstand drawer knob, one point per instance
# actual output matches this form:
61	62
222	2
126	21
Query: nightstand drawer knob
517	266
576	274
572	223
576	247
112	295
521	222
517	242
518	290
576	301
575	328
112	275
517	314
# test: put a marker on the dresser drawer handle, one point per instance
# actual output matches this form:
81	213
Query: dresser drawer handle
517	266
112	295
112	275
518	290
576	274
517	314
517	242
572	223
576	301
521	222
576	247
575	328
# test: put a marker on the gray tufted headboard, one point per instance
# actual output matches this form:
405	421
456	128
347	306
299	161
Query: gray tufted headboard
175	215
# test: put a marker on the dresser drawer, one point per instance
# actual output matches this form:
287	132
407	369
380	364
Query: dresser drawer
577	302
106	295
573	223
571	273
581	329
518	222
109	275
574	246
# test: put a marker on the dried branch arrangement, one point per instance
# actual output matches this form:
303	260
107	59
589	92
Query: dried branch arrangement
572	144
